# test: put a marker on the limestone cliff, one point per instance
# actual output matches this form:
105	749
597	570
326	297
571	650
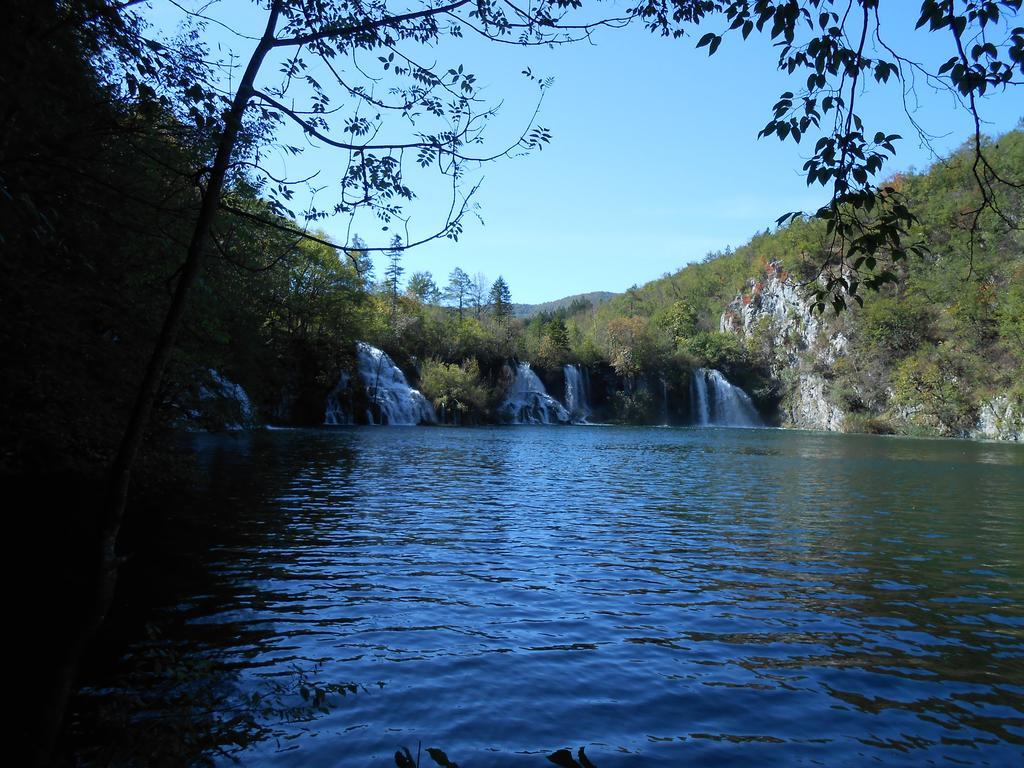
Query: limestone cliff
805	353
798	346
1000	418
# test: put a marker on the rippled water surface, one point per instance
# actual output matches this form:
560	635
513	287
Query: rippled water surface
659	596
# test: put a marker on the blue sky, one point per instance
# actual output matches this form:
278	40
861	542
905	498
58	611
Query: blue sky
655	159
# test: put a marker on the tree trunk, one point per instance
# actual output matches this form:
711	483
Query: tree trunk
113	509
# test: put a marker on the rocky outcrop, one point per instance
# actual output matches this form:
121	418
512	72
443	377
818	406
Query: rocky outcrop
1000	418
217	403
773	308
801	350
774	320
807	406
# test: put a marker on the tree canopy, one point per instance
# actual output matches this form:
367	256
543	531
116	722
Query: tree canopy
137	183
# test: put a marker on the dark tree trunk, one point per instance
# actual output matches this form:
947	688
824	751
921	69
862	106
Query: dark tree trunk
112	515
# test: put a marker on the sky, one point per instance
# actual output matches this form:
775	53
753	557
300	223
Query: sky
654	160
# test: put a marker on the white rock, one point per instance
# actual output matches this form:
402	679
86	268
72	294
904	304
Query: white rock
1000	419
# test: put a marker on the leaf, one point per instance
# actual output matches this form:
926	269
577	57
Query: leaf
563	757
927	9
440	758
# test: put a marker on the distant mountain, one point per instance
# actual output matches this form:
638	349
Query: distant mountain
529	310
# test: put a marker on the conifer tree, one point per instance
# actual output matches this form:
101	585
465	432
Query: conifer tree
501	299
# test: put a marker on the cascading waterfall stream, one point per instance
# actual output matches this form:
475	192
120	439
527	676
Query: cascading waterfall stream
664	402
714	400
528	401
699	398
577	399
335	414
387	390
234	404
717	402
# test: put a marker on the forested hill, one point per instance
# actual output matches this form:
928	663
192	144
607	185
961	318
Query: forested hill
571	303
940	351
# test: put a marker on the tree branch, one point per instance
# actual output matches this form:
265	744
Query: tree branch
368	25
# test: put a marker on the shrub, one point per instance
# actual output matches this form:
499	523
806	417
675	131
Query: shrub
454	389
934	382
635	408
714	350
893	326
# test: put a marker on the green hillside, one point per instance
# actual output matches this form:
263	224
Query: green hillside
579	300
948	334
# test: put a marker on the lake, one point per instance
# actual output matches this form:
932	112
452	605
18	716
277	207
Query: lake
659	596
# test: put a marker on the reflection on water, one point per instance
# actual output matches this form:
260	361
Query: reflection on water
662	597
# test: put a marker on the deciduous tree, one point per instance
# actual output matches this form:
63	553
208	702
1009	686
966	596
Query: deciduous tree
458	290
422	287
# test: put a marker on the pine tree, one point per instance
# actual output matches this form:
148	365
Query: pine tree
360	257
393	274
501	299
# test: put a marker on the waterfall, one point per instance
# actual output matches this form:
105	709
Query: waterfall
335	414
387	390
699	397
230	401
664	402
528	402
577	400
717	402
